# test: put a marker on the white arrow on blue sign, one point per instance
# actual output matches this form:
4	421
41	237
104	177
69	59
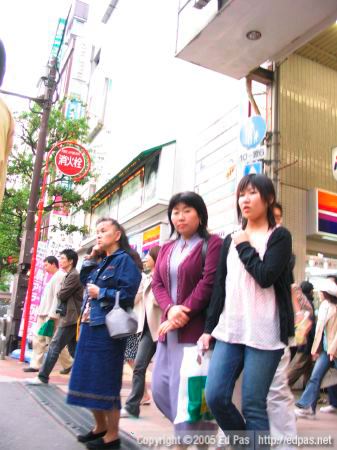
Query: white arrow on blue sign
255	167
253	131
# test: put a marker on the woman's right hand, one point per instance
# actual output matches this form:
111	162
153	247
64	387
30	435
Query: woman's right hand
204	341
95	252
178	315
93	290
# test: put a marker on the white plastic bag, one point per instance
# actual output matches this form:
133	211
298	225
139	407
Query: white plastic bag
191	395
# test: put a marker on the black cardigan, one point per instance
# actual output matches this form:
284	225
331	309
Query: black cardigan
274	269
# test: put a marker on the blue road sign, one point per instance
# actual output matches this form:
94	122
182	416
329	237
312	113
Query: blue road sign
253	131
255	167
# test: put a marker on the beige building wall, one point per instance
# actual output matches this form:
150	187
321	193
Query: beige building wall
308	131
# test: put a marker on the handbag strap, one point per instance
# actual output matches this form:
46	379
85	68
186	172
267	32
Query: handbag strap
203	254
117	299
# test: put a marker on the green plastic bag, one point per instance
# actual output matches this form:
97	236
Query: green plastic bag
47	328
197	407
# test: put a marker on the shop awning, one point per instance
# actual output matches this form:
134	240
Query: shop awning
124	173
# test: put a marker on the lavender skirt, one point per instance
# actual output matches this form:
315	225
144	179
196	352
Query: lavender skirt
165	383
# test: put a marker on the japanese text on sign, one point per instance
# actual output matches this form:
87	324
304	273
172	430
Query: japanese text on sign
69	161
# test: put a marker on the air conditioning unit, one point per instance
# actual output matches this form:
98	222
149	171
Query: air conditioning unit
199	4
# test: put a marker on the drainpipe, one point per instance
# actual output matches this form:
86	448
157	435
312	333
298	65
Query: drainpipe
275	132
251	97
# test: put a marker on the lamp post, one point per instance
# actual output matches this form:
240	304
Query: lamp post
73	160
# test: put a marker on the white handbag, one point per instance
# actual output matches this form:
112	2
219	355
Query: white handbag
121	323
192	405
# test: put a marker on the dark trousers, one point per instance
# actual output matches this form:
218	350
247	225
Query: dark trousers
301	364
64	336
145	352
332	391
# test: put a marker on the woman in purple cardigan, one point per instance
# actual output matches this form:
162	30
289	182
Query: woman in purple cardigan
182	285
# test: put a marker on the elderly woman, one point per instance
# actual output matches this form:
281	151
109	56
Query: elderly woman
96	377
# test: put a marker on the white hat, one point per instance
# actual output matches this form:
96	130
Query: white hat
326	285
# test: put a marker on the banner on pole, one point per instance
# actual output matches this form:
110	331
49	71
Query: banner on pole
40	280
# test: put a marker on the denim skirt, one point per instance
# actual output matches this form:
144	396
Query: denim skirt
96	376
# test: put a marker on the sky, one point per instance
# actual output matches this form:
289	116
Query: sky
27	29
155	94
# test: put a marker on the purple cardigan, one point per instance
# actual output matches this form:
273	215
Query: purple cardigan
193	289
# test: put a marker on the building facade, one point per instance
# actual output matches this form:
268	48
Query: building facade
300	63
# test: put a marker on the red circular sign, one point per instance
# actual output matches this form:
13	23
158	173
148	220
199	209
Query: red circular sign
70	161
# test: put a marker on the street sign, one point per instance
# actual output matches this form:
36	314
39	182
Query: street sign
69	161
253	131
255	167
72	159
334	163
256	154
58	39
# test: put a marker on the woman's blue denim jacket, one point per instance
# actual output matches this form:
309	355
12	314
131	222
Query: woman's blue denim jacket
117	272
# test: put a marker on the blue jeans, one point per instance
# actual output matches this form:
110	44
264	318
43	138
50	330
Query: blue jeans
332	391
311	392
259	367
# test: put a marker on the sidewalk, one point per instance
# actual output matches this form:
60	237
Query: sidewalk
150	424
11	373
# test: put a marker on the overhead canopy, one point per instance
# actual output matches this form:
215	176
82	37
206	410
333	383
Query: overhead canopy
219	41
130	168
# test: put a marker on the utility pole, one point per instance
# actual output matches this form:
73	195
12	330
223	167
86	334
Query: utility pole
21	281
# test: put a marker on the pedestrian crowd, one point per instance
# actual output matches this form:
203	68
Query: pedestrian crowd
212	314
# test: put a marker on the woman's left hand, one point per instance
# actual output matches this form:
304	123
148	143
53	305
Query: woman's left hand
93	290
240	236
165	327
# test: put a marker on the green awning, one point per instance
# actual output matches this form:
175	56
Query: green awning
127	171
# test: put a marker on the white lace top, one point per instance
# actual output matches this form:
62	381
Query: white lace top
250	314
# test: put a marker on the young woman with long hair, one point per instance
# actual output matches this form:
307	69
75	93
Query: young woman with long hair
250	315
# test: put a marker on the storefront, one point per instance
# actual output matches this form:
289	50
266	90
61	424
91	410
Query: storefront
308	133
322	228
137	197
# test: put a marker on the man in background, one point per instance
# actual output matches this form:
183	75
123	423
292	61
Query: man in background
47	311
6	127
69	307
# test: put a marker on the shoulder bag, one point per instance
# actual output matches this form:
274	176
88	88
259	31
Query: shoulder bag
121	323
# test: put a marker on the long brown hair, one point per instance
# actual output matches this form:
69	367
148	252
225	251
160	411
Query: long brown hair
154	251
